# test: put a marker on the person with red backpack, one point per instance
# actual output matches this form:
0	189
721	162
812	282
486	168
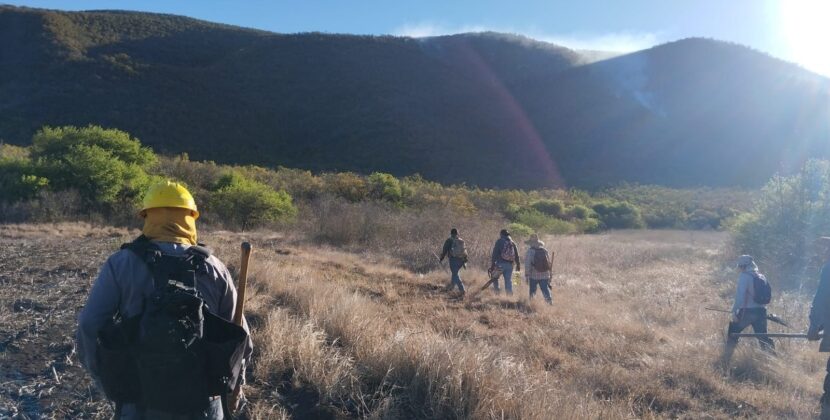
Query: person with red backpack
539	263
456	250
505	255
751	297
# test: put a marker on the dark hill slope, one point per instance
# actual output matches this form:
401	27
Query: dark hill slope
487	109
691	112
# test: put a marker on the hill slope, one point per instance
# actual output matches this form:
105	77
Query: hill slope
487	109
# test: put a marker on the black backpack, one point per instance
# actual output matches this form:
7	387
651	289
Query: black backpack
177	353
763	291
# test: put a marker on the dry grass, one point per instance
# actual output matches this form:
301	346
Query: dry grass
344	335
627	336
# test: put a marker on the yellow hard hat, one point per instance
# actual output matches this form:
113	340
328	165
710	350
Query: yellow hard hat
169	194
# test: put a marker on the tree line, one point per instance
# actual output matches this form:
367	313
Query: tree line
71	172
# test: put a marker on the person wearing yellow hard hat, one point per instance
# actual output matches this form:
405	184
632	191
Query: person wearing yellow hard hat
170	214
155	332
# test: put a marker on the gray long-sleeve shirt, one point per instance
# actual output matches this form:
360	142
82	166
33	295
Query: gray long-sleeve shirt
125	281
744	293
820	309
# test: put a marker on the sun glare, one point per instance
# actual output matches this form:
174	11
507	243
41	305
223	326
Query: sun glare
805	26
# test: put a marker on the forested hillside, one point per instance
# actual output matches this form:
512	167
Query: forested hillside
486	109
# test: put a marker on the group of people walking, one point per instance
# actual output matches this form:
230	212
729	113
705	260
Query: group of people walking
156	331
505	261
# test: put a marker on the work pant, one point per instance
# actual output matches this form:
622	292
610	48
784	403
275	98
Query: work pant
544	285
455	266
757	317
133	412
507	272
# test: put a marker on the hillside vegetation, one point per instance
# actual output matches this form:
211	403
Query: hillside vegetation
491	110
98	174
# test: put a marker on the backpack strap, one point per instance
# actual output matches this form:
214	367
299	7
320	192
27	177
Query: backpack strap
151	254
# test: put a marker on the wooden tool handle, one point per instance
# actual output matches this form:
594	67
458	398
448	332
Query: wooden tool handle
242	284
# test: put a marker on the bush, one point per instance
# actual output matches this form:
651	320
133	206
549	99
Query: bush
553	208
619	215
580	212
106	166
249	203
346	185
385	187
704	219
519	230
589	225
17	180
543	223
667	217
791	214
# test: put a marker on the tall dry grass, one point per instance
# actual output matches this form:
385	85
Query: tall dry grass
412	236
627	337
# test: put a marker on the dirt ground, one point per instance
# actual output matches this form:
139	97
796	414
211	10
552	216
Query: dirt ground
344	335
44	281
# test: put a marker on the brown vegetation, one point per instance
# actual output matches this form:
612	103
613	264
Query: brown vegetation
342	334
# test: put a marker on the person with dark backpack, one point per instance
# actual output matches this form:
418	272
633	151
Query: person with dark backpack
505	255
456	249
156	331
539	263
751	297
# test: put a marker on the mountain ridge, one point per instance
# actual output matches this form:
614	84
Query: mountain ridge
487	109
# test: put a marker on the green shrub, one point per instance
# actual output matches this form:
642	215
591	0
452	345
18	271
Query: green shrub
385	187
589	225
578	211
668	217
619	215
248	203
543	223
790	215
17	180
553	208
107	167
561	227
298	183
346	185
704	219
519	230
55	143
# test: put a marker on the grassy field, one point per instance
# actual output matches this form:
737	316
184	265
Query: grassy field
343	334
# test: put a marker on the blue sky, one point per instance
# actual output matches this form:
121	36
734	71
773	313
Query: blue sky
794	30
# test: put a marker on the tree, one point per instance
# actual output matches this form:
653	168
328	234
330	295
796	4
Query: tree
385	187
106	166
248	203
791	214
